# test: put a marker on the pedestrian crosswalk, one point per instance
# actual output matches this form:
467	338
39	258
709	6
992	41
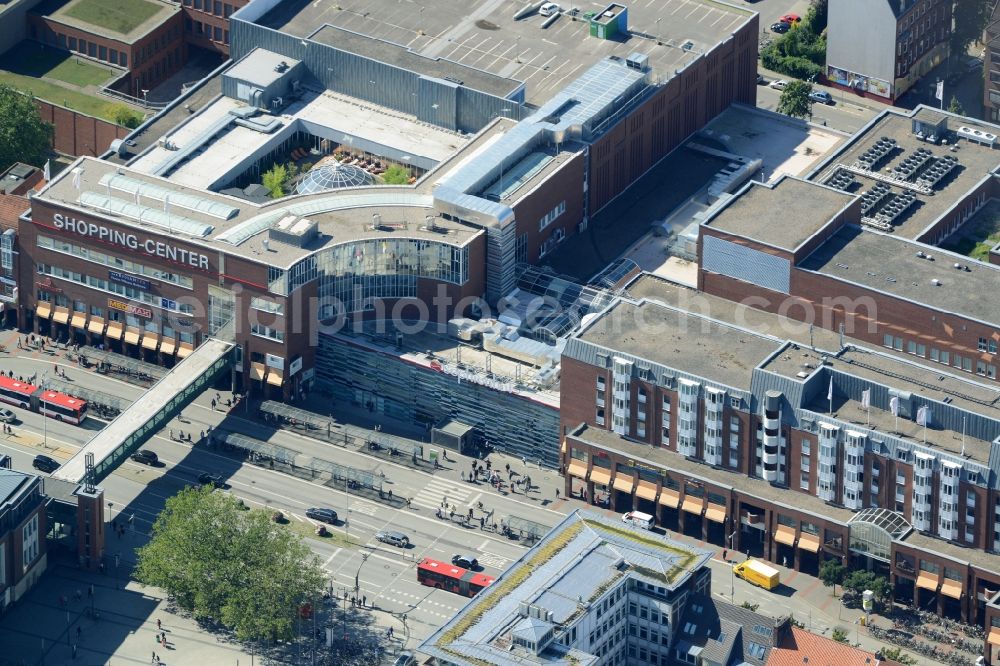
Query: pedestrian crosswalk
437	490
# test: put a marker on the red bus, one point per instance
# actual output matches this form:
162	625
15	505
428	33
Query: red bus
53	404
448	577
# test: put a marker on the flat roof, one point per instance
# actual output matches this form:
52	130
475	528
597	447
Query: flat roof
975	162
261	67
681	340
342	216
668	460
486	36
890	264
59	11
783	215
975	556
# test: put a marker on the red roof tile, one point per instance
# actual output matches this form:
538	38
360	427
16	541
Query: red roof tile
801	648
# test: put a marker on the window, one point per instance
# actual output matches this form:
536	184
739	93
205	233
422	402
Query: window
267	332
267	305
228	10
29	542
600	416
804	480
887	340
551	216
217	33
982	344
992	346
123	59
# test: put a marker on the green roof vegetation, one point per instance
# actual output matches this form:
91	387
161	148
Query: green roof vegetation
38	61
121	16
56	94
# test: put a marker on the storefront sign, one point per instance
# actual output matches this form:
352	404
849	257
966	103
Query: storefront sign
130	280
131	241
276	362
136	310
295	366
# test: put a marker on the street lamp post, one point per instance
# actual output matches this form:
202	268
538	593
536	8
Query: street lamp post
145	101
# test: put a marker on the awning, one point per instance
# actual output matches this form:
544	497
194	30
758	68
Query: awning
257	371
809	542
927	581
96	325
131	336
562	447
577	468
43	310
994	637
61	315
600	476
79	320
716	513
952	588
670	498
646	490
785	535
168	345
184	349
693	505
274	377
624	482
150	340
115	330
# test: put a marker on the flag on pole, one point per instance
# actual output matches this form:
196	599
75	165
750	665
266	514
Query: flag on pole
894	405
866	398
939	91
47	172
923	416
76	177
829	390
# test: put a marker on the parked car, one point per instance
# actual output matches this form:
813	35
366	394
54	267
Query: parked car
7	415
778	84
45	464
781	27
392	538
404	659
548	9
760	79
146	457
322	514
790	18
207	479
465	561
821	97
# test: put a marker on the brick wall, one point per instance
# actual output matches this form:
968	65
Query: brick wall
77	133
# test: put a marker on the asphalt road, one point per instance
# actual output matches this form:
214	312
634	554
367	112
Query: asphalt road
845	114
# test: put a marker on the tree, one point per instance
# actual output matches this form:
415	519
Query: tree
274	180
839	635
954	106
236	566
123	115
816	16
396	175
832	573
859	581
896	654
750	606
969	21
794	100
24	136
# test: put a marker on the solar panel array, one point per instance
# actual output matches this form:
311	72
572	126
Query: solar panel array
876	153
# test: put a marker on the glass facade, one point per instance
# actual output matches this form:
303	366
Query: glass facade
112	261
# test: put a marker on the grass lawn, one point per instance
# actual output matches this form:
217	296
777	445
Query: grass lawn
978	235
121	16
35	60
51	92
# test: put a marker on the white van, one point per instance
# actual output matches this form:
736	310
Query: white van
639	519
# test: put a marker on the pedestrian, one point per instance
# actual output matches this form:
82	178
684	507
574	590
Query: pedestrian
213	403
159	624
557	493
153	659
364	600
391	632
91	591
725	552
390	494
163	637
163	642
524	461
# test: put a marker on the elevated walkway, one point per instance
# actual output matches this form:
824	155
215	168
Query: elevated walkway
137	424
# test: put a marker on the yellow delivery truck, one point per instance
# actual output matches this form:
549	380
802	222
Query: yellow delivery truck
759	574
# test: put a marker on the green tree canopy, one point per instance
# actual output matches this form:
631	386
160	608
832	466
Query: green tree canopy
954	106
832	573
24	136
969	20
123	115
274	180
794	100
396	175
896	654
235	566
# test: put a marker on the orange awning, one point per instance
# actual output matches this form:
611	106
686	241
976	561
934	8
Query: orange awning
646	490
257	371
927	581
150	340
131	336
809	542
274	377
79	320
168	345
43	310
952	588
96	325
670	498
600	476
184	349
624	483
994	637
115	330
693	505
716	513
785	535
61	315
577	468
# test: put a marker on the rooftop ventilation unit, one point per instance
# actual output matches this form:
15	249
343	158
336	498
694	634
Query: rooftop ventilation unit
979	136
639	61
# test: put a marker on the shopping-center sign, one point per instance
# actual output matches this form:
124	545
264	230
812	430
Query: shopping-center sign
124	239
